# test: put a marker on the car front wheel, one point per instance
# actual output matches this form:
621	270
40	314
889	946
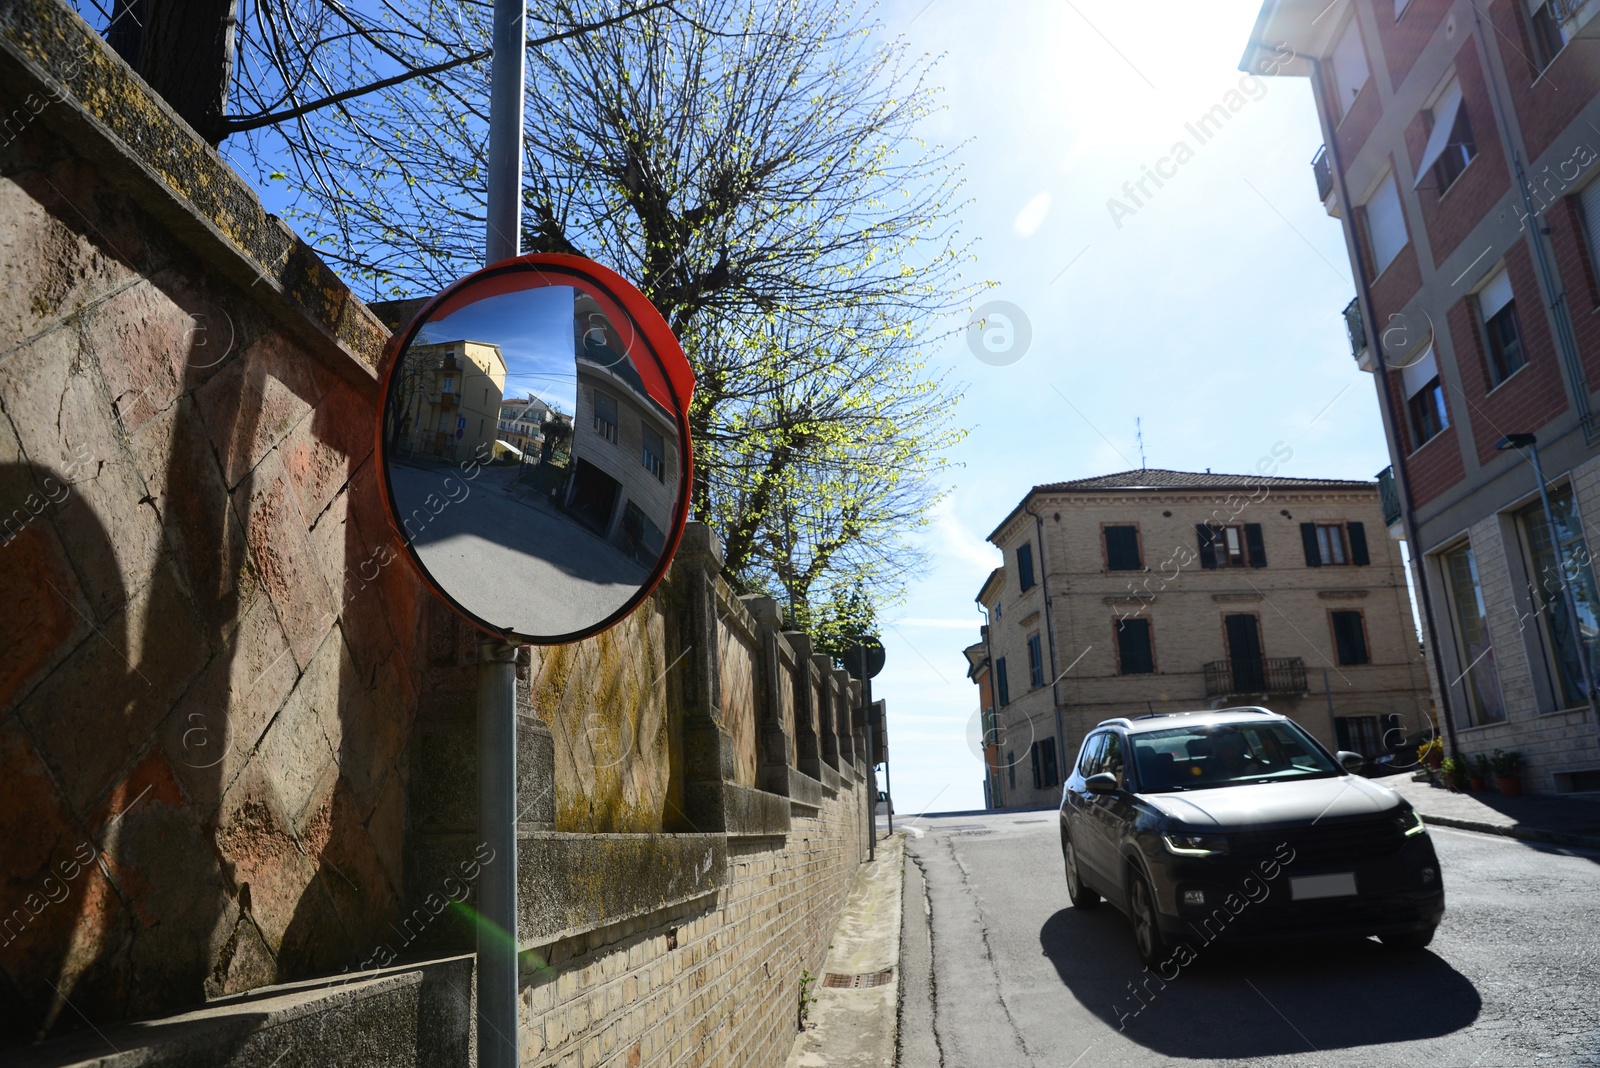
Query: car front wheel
1080	895
1146	925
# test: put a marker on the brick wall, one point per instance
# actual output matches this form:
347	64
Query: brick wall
712	982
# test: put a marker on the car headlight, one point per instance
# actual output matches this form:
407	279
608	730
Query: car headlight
1410	823
1194	845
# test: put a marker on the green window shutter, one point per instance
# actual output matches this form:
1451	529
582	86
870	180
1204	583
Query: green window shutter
1358	543
1308	537
1133	647
1351	643
1256	544
1122	549
1025	566
1208	552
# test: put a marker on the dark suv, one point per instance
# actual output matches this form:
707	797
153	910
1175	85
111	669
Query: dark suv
1238	825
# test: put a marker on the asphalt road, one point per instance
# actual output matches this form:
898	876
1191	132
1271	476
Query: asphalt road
998	969
510	560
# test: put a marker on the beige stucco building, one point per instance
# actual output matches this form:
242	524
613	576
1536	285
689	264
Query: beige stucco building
1152	591
451	393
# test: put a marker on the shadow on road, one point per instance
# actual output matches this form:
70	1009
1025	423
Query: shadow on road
1258	1001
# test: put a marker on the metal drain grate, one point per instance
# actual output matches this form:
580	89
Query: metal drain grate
854	982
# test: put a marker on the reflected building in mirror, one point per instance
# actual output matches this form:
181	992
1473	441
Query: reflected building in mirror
522	422
447	402
624	482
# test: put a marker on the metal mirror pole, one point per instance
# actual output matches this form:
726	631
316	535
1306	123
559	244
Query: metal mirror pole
497	669
872	775
497	882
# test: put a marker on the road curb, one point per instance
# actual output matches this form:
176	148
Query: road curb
1530	834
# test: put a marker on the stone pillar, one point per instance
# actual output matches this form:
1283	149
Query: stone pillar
773	743
707	749
827	712
807	717
844	718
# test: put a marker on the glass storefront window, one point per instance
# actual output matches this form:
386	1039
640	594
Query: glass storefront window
1480	677
1550	588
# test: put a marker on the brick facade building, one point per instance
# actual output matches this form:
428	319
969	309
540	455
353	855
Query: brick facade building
1154	591
1462	160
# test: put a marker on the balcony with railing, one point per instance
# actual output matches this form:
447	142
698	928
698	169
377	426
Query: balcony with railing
1356	331
1322	168
1389	496
1276	675
444	399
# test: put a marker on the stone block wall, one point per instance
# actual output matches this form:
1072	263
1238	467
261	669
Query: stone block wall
207	679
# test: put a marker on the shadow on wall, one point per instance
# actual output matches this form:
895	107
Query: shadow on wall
1324	996
203	694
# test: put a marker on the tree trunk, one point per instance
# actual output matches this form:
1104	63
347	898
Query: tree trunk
184	50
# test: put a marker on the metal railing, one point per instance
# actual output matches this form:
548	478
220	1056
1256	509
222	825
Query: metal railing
1355	328
1389	495
1324	172
1225	678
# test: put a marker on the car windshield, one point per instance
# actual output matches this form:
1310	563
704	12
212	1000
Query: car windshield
1226	754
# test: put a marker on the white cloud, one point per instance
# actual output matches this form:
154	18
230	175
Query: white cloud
1032	216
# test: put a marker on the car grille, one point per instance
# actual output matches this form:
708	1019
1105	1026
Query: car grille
1326	843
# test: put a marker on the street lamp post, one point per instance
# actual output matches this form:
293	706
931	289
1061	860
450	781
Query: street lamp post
1531	443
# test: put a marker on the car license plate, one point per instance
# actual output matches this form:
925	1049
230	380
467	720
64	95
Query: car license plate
1310	887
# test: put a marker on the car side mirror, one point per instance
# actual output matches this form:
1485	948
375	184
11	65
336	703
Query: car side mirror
1101	783
1351	762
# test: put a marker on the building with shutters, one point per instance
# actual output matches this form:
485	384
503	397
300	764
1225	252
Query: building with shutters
1461	159
1158	591
449	397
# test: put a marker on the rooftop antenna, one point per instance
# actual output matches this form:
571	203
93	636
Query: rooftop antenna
1138	427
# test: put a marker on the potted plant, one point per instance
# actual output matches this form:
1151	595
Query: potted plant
1507	772
1431	754
1455	773
1479	773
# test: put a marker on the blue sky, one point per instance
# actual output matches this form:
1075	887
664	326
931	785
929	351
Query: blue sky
1212	312
534	331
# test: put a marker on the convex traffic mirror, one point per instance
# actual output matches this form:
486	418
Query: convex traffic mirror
535	448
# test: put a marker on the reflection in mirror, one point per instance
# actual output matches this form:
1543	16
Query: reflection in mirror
533	455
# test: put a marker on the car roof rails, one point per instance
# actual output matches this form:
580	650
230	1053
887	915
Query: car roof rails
1208	712
1120	721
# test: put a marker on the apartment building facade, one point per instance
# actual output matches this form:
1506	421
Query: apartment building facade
450	393
1160	591
1462	159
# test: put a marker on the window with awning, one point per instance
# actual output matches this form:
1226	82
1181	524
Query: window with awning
1498	311
1450	144
1424	397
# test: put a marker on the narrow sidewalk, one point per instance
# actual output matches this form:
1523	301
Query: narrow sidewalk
856	1026
1559	819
